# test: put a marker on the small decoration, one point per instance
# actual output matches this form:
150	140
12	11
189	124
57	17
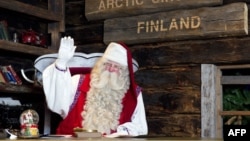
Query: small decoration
33	38
29	123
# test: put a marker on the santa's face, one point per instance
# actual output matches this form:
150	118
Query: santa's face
111	76
112	67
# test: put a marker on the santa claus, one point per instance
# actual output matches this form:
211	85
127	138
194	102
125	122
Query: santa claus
107	100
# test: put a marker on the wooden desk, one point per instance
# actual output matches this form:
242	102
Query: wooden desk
120	139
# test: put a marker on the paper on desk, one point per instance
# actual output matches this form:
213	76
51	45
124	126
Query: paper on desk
115	135
9	101
56	136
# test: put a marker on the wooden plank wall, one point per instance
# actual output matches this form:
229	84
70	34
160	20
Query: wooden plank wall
170	71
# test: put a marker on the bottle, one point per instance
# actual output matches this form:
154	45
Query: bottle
15	38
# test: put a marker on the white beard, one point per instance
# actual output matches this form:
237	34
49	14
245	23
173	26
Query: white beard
104	102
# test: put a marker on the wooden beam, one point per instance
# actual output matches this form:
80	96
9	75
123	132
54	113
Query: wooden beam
28	9
56	28
201	23
235	80
234	113
24	48
106	9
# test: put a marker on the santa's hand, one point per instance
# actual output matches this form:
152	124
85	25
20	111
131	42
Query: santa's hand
66	51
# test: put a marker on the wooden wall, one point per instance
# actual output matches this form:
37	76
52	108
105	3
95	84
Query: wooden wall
169	73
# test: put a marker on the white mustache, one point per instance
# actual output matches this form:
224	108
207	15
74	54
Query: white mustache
110	80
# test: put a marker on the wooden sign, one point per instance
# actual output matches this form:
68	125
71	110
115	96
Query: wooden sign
106	9
207	22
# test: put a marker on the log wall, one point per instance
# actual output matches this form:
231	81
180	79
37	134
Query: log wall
170	71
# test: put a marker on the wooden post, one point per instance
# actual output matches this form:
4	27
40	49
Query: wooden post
211	93
56	28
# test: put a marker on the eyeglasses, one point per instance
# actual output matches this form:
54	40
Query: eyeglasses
112	66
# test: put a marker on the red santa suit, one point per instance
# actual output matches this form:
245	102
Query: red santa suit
66	95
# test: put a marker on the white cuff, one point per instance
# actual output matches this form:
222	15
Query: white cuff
61	65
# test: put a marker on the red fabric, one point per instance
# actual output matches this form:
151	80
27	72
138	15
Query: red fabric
130	99
74	118
79	70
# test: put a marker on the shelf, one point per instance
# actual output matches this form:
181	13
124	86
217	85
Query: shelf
31	10
23	48
11	88
51	19
232	113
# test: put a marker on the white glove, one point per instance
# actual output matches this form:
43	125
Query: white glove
66	52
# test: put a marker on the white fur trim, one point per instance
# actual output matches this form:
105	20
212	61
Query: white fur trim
117	53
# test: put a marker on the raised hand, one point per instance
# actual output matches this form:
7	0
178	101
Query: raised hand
66	51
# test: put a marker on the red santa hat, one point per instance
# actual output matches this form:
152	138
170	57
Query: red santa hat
120	53
117	53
